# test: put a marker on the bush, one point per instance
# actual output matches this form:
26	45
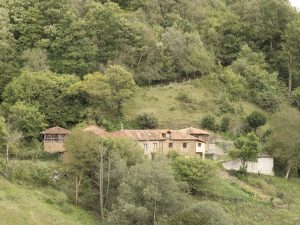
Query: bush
147	121
225	123
31	173
195	172
204	213
183	97
256	119
209	122
296	97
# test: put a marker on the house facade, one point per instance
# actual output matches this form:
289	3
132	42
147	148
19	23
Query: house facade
153	142
162	141
53	140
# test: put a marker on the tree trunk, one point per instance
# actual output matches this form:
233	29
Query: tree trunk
108	181
155	205
77	187
101	183
290	75
6	161
288	172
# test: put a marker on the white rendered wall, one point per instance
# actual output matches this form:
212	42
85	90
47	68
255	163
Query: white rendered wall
264	165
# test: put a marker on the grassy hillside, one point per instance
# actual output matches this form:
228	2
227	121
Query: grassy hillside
259	200
20	205
179	105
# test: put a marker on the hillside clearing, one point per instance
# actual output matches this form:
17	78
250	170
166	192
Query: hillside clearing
20	205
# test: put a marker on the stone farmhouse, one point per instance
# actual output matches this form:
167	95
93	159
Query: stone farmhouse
189	141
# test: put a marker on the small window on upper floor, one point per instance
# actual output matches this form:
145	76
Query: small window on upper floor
164	135
184	145
199	144
145	146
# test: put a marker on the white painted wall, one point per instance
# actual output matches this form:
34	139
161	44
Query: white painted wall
202	148
264	165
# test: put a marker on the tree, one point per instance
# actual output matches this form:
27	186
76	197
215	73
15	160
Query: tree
147	196
290	51
80	146
208	122
35	60
105	92
283	142
108	26
48	93
296	97
256	119
9	59
196	172
247	149
121	84
26	119
225	124
146	121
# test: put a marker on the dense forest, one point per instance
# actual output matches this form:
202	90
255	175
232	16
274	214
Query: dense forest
70	63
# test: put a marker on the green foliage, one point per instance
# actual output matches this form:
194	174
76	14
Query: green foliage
247	148
32	172
256	119
27	119
206	213
146	121
283	141
225	124
296	97
48	93
105	92
147	196
208	122
195	171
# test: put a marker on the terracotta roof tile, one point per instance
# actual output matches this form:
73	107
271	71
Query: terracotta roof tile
56	130
96	130
151	135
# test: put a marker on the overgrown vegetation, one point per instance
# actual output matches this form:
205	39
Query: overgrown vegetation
227	66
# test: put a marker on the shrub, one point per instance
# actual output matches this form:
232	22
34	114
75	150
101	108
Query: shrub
204	213
183	97
256	119
225	123
195	171
208	122
147	121
296	97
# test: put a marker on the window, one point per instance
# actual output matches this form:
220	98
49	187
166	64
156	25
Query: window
170	145
163	135
199	145
155	145
54	137
184	145
145	146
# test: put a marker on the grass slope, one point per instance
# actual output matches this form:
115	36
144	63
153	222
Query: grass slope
180	105
259	200
21	205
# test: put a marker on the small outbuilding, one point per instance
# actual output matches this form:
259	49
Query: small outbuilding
53	140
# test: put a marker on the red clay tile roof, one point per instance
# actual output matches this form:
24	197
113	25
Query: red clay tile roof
193	130
154	135
96	130
56	130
